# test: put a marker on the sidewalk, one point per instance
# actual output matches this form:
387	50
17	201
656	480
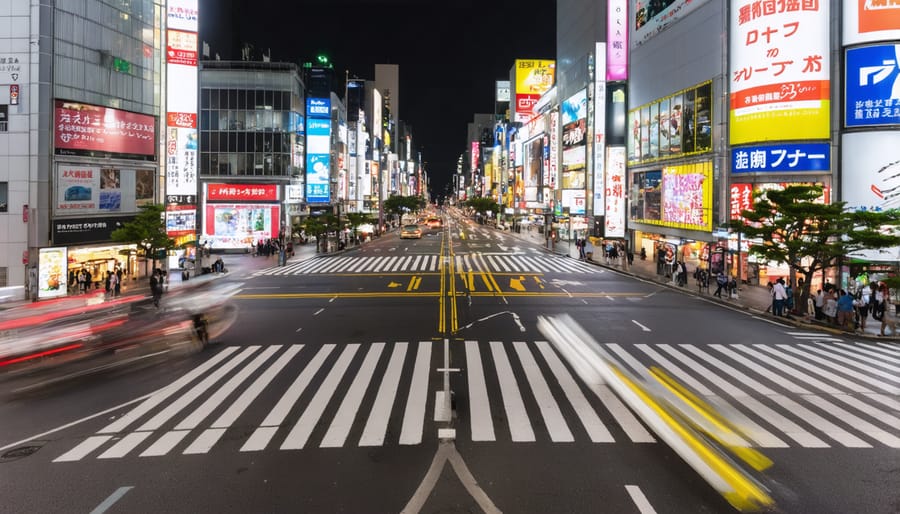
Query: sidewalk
749	297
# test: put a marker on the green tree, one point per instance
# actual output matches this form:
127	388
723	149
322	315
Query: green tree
148	231
356	219
808	236
397	205
319	227
483	205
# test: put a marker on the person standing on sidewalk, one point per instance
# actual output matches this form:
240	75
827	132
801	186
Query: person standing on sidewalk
844	310
819	304
780	295
156	286
721	282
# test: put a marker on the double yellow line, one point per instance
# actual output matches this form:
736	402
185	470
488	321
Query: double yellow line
448	287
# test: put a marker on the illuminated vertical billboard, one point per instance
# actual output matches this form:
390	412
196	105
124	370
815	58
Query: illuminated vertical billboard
870	20
318	150
533	78
872	85
779	70
617	38
181	102
599	204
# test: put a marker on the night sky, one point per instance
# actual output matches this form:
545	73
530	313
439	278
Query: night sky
449	54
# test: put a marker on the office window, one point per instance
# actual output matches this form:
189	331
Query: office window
4	196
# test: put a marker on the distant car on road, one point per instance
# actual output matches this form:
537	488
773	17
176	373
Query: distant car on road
434	223
410	232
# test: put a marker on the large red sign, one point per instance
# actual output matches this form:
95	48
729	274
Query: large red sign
182	48
181	119
242	192
84	127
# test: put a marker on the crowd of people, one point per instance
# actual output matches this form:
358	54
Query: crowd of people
850	311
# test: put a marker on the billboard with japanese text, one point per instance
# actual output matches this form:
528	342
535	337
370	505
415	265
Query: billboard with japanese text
534	77
615	61
870	20
740	194
238	226
783	157
872	86
779	71
615	192
84	129
225	192
598	159
182	145
674	126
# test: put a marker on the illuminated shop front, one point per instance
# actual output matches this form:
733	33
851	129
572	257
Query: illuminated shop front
238	216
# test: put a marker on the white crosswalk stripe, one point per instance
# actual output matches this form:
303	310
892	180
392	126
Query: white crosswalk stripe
811	395
463	263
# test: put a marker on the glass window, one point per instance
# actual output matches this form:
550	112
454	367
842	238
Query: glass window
266	123
214	99
269	99
241	164
259	143
239	117
232	142
223	120
213	164
204	141
232	98
204	98
241	142
242	99
4	196
257	164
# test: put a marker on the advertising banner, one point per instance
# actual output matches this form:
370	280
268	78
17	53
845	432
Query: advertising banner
82	129
318	150
870	20
741	194
674	126
182	15
533	78
676	196
181	165
785	157
616	58
86	230
779	71
53	273
654	16
238	226
181	220
599	160
573	199
181	48
871	170
218	192
551	172
84	189
872	86
615	192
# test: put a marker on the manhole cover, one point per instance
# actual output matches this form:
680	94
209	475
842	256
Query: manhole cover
20	452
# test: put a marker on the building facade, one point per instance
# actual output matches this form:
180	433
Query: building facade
81	97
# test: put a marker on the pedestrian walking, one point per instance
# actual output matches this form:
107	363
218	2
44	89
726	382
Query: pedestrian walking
819	305
721	283
112	279
844	309
156	286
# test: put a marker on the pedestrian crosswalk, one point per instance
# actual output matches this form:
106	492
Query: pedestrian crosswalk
810	395
422	263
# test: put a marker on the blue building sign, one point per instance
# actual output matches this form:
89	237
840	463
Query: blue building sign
786	157
318	150
872	86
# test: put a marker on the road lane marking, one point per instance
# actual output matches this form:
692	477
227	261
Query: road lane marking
376	426
164	444
645	329
87	446
640	501
595	428
318	312
517	418
479	405
111	499
553	418
262	435
414	415
298	435
346	413
124	446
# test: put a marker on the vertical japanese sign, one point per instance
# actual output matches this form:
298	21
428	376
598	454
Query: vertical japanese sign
615	192
533	79
599	103
617	39
181	102
779	72
553	168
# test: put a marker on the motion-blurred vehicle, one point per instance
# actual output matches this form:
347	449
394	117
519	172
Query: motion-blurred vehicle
410	232
434	223
59	341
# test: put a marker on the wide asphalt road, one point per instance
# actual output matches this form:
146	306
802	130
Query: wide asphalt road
327	395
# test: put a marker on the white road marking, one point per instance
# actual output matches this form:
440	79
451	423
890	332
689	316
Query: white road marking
318	312
479	404
640	501
87	446
414	415
376	425
645	329
112	499
519	426
346	414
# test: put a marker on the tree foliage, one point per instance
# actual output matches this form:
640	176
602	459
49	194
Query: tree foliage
483	204
318	226
358	218
798	230
147	230
399	205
